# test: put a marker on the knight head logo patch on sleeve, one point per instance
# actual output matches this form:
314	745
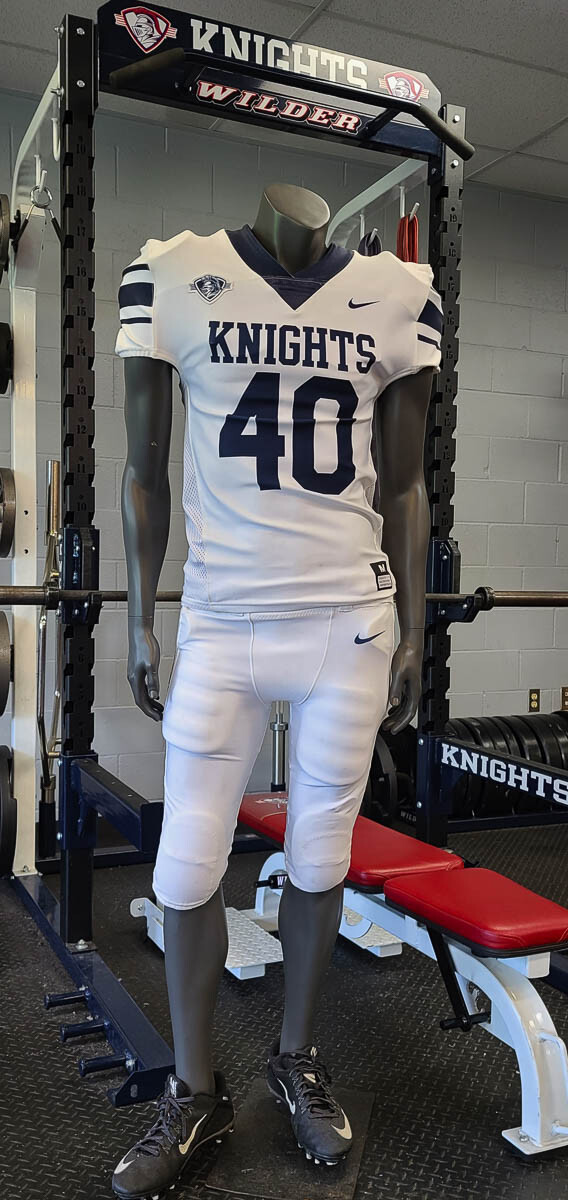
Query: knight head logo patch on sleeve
210	287
146	27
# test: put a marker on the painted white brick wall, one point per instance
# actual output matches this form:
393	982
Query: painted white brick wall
512	442
511	452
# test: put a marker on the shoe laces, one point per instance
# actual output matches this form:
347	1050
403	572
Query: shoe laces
312	1080
167	1128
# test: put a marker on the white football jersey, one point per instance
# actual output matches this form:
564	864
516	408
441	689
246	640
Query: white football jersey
280	374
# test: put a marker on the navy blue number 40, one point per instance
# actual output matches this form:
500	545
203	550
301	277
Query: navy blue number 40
260	400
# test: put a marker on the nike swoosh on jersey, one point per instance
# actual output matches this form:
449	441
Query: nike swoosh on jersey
360	640
184	1146
346	1131
363	303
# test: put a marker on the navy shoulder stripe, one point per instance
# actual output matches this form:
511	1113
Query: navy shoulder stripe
135	293
137	267
431	341
431	316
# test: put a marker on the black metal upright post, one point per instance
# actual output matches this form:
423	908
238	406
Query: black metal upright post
445	244
80	544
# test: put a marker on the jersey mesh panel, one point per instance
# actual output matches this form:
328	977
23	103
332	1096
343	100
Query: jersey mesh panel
195	566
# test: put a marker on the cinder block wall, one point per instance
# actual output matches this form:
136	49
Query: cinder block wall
511	464
511	501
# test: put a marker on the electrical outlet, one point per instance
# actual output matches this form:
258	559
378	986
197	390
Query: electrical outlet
534	700
565	699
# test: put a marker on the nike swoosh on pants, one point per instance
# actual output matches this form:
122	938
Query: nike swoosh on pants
359	640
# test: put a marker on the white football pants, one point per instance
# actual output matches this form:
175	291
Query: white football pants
333	665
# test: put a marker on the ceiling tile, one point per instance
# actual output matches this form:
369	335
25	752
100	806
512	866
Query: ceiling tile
529	174
555	145
505	103
531	31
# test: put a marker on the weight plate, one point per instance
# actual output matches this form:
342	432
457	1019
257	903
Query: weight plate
5	662
510	737
403	749
7	813
4	232
383	783
7	510
467	794
547	738
498	740
6	357
478	732
497	800
533	752
561	733
457	728
531	748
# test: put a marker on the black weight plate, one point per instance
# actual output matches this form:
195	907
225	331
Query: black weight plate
467	795
6	357
531	748
5	662
7	813
498	739
403	749
510	737
7	510
471	724
457	728
383	797
561	733
497	799
547	738
533	753
479	732
4	231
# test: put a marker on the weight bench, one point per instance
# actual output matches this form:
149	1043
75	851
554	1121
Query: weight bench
489	936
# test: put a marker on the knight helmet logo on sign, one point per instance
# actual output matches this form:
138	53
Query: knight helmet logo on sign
404	86
146	27
209	287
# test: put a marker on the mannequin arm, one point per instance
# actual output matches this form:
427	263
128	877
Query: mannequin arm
400	428
146	507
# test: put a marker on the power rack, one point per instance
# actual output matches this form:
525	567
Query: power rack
178	59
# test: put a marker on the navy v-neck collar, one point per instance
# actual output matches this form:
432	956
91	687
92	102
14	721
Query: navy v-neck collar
296	288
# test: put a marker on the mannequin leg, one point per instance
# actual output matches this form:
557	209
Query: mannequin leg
196	944
308	924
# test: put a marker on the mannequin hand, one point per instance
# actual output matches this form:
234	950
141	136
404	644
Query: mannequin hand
406	682
143	664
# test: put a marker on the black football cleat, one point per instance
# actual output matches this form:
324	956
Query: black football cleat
319	1123
185	1122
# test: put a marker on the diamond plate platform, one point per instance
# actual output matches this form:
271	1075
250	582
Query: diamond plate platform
250	947
282	1172
441	1099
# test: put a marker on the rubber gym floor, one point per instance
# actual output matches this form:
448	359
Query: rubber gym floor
441	1099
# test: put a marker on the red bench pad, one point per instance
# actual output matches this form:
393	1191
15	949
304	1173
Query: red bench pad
482	907
377	852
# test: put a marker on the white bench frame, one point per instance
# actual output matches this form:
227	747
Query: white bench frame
519	1017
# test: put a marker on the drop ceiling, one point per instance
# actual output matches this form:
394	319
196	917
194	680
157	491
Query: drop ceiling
505	60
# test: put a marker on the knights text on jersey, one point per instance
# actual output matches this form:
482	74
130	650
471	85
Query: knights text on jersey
280	374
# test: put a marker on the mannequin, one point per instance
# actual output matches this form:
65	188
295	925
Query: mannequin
291	225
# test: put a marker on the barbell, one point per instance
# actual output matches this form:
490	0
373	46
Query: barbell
485	597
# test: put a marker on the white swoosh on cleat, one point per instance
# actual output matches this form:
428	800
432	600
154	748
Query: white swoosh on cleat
346	1131
291	1106
184	1146
123	1164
